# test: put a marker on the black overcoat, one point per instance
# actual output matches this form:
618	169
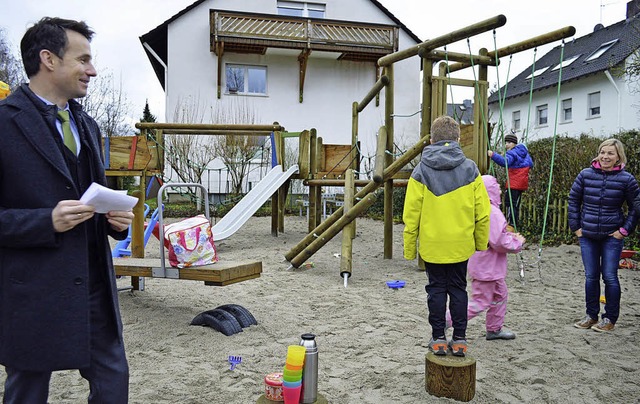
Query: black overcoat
44	290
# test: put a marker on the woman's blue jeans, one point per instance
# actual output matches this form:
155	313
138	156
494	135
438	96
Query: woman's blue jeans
601	259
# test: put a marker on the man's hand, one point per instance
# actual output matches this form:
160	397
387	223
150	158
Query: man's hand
489	153
119	220
68	214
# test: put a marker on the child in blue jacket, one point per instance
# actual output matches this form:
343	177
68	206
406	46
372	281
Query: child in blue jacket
518	163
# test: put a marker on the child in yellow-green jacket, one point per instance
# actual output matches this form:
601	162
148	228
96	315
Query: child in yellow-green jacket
446	213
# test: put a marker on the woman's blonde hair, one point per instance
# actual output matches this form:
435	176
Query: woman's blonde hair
622	158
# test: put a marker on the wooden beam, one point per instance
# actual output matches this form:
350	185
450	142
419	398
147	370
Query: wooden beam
523	45
303	58
397	182
219	53
375	90
205	126
216	132
451	37
456	57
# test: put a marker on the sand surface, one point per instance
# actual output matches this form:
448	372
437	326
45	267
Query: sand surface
372	339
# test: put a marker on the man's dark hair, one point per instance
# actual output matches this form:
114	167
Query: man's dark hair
48	33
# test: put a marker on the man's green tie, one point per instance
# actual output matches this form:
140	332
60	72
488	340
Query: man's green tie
69	140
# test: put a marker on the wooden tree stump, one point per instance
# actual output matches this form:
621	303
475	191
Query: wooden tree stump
450	376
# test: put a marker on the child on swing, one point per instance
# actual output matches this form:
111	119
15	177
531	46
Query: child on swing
488	269
519	163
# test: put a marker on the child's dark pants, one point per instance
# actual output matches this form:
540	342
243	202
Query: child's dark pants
447	280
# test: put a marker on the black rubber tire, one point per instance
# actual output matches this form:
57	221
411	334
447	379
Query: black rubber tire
244	316
219	320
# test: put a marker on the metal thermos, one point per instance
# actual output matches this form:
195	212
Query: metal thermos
309	393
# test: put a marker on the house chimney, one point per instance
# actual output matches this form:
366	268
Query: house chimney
633	8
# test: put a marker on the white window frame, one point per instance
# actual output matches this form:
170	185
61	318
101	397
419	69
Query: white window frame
566	63
537	72
515	120
601	50
539	115
306	9
245	69
567	109
593	105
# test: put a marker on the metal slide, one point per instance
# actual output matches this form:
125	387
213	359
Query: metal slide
251	202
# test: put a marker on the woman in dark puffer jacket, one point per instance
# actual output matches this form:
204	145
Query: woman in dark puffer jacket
596	217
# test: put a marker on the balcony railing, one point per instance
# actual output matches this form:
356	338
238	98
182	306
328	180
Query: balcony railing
245	32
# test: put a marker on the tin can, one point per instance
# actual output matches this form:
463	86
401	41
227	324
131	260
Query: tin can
273	387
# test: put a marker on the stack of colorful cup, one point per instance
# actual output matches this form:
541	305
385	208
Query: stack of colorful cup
292	374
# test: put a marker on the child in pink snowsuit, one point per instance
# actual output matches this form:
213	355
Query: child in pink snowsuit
488	269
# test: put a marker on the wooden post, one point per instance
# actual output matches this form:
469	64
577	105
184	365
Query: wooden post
348	231
354	134
282	191
275	198
303	156
480	127
389	108
313	174
137	231
320	159
379	166
450	376
426	119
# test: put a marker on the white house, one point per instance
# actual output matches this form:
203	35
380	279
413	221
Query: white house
300	63
596	97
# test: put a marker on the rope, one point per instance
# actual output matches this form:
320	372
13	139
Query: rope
553	154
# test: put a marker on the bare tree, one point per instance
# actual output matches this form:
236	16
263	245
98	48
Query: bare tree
237	151
107	103
11	70
189	155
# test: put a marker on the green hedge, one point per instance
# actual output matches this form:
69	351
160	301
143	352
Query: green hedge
570	157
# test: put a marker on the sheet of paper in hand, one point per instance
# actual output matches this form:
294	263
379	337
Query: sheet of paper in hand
104	199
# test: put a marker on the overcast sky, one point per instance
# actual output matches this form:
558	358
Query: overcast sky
120	23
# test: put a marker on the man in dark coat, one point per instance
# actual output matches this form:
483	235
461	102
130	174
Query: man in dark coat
58	296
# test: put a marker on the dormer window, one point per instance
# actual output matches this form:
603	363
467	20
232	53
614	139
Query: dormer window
566	63
301	9
601	50
537	73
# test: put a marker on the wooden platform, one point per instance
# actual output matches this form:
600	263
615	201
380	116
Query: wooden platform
221	273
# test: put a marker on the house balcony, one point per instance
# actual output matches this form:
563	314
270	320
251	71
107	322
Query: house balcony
255	33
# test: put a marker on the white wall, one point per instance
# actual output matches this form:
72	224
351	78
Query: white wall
331	86
618	111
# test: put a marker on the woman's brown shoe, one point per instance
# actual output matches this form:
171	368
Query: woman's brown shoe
586	323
